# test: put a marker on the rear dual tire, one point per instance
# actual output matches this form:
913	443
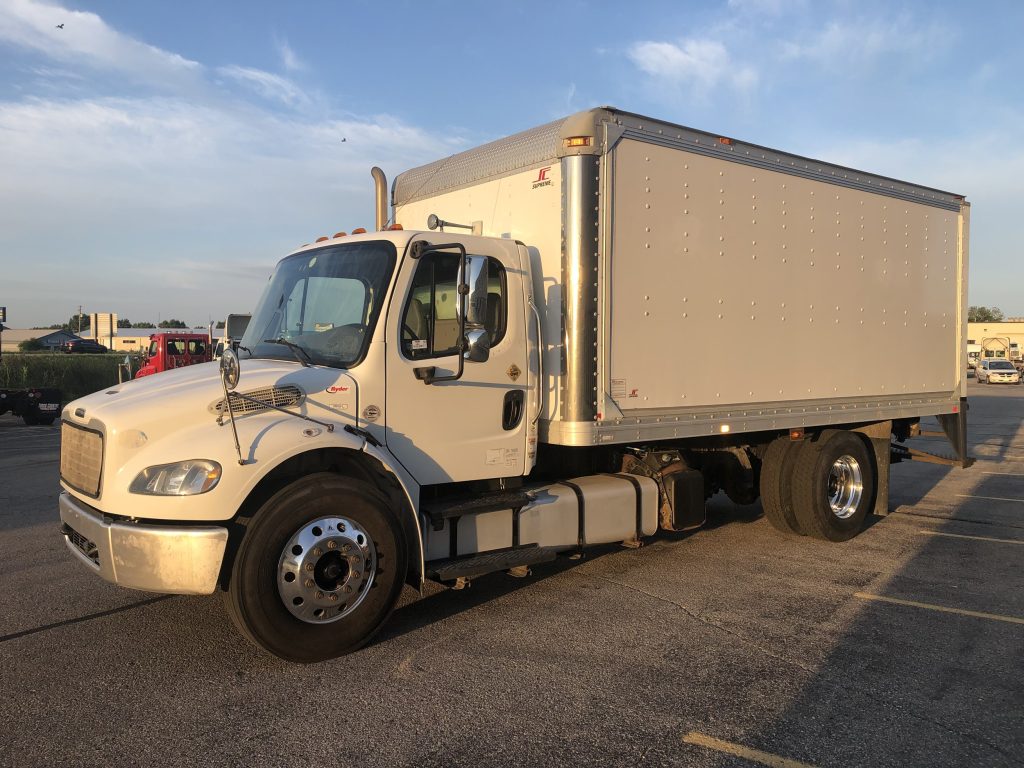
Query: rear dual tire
776	485
834	485
823	488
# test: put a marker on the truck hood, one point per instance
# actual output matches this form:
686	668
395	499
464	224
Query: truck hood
162	402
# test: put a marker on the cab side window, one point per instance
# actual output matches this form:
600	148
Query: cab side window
430	322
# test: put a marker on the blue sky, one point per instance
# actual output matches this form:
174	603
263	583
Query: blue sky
157	158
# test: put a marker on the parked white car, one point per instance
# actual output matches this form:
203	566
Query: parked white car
996	372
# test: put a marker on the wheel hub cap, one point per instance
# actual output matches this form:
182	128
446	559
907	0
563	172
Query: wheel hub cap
845	486
326	569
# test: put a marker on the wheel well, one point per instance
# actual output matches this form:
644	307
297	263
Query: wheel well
342	461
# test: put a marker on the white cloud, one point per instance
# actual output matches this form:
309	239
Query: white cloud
698	64
768	7
266	84
289	59
120	195
88	41
842	43
151	203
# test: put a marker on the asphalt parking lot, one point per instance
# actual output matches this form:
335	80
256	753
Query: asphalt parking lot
727	646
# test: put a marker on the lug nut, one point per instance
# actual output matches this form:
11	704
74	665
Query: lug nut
348	589
332	544
310	583
346	547
316	552
309	566
334	598
319	595
356	574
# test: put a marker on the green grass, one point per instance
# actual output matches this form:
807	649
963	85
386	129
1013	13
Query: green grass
73	375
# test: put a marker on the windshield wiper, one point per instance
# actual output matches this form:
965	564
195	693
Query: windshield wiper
295	348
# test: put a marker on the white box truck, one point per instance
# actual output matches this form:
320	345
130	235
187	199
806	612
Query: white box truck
572	336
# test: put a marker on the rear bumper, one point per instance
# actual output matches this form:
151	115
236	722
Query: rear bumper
155	558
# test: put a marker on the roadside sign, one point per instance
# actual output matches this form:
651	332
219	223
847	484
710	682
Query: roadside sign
3	314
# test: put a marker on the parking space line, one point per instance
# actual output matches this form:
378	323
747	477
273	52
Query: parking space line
966	536
989	498
738	750
941	608
1005	474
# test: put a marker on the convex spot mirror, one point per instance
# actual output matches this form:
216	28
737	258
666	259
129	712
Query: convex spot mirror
478	345
230	370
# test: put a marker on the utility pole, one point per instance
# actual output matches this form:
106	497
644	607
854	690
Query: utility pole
79	319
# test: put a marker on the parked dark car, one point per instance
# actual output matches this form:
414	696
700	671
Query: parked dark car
83	345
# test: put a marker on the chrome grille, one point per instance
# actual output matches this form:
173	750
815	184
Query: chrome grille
81	458
283	397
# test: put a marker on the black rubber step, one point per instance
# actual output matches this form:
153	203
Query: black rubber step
439	511
488	562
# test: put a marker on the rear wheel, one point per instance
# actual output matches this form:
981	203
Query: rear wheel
319	569
833	485
776	485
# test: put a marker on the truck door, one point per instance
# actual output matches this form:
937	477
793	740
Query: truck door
475	427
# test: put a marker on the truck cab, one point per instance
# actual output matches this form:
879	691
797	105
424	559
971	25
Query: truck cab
168	351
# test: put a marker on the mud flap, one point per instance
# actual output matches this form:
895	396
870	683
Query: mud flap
954	425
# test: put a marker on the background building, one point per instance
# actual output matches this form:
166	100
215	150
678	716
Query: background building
53	340
1004	339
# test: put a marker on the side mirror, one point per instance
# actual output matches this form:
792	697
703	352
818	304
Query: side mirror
476	300
478	346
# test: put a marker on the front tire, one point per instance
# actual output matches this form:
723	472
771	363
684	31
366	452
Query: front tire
833	485
319	570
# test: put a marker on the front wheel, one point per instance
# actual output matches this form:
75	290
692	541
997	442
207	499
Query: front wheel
319	570
833	485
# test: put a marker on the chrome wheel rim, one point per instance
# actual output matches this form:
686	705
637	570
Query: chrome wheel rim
326	570
845	486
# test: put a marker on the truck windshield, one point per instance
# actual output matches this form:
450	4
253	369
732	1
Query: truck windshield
325	301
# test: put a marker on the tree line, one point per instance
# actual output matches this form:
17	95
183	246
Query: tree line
82	322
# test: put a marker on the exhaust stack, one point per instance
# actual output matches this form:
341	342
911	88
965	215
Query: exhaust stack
380	186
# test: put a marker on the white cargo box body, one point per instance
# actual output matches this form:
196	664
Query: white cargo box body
692	285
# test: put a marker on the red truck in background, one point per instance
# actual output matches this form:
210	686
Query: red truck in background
175	350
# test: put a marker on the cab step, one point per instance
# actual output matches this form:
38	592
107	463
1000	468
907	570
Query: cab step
488	562
439	511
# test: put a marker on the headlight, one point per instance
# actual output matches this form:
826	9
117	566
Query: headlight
185	478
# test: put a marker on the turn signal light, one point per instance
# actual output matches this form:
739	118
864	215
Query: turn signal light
358	231
578	141
396	227
339	234
322	238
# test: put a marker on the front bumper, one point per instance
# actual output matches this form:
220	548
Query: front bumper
155	558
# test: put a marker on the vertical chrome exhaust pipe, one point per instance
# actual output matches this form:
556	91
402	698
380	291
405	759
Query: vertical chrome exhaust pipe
380	186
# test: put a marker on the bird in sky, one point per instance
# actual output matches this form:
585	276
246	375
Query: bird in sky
344	139
60	26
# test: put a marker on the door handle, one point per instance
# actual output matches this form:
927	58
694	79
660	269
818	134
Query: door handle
512	409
